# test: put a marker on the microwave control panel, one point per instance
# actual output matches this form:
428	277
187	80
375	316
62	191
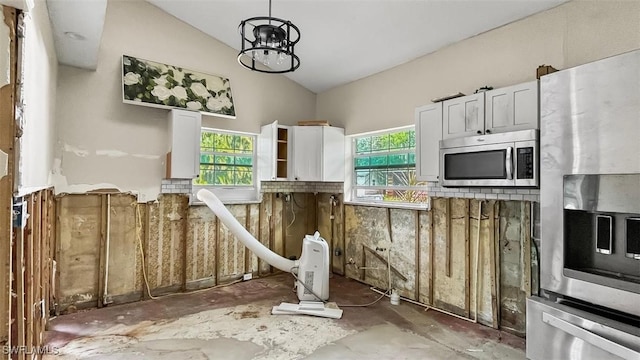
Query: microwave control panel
525	163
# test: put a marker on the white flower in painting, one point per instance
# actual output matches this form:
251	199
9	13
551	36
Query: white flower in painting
199	90
214	83
161	92
194	105
178	76
179	92
216	104
131	78
161	81
126	61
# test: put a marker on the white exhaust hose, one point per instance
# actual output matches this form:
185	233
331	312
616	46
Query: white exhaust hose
243	235
312	268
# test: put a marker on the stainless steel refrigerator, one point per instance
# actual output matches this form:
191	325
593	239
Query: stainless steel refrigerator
589	301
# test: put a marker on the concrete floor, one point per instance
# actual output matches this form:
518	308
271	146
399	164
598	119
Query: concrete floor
235	322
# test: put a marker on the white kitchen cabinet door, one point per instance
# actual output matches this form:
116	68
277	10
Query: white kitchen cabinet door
318	153
274	152
183	159
463	116
428	135
307	153
512	108
332	153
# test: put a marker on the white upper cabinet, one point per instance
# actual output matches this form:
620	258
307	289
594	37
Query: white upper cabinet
274	152
506	109
512	108
183	158
303	153
463	116
318	153
428	135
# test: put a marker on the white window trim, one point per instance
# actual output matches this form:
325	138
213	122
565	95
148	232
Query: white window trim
234	194
350	186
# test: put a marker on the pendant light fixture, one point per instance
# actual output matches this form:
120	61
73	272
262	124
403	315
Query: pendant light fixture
268	44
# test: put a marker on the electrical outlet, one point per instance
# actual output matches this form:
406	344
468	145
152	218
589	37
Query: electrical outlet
247	276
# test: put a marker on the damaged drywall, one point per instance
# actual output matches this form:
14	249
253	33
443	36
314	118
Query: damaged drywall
447	254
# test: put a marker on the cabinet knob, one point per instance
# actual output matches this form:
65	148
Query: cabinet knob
488	131
479	132
296	178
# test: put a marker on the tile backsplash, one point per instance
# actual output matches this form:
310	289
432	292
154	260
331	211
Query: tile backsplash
435	190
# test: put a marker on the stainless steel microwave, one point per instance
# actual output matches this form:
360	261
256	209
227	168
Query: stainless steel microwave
496	160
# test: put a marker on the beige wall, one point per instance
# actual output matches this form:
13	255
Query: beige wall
572	34
104	143
40	73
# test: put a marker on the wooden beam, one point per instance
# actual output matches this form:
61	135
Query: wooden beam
417	254
247	253
525	234
146	287
495	281
448	240
20	290
37	268
7	145
29	284
467	267
102	256
217	254
432	266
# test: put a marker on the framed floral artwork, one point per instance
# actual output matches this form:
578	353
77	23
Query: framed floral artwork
154	84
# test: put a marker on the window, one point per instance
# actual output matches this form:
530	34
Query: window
384	168
227	162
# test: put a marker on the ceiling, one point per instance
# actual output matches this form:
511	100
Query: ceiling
341	40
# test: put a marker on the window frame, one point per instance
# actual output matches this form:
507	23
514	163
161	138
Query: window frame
232	194
351	186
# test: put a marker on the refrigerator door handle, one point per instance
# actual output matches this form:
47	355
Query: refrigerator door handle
591	338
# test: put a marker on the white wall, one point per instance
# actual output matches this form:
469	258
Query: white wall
577	32
104	143
36	146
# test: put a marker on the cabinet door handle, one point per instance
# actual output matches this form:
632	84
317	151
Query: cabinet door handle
488	131
479	132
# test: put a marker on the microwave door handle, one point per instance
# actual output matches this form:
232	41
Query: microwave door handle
508	163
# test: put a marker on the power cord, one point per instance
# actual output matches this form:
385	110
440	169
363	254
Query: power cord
388	292
305	285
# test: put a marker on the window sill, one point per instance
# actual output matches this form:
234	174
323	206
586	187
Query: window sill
390	205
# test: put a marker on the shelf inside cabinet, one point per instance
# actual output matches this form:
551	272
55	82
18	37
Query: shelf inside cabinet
282	152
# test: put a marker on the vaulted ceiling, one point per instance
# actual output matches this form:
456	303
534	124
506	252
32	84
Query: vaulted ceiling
341	40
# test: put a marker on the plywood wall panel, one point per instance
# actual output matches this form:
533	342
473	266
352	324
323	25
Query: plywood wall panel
403	250
124	262
78	230
450	251
201	247
166	243
299	215
231	251
381	228
512	238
